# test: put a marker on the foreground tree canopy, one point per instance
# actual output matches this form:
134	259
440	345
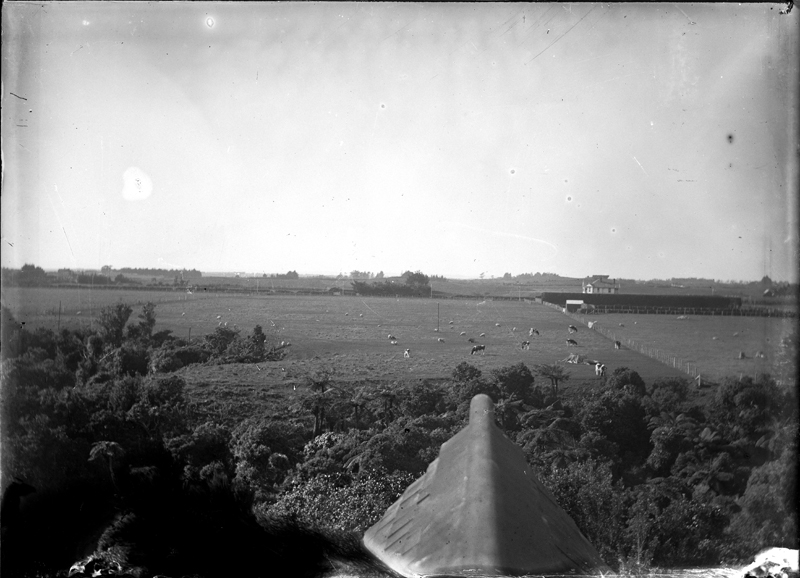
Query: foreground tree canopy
99	421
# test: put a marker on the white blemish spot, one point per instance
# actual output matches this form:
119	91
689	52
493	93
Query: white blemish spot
137	185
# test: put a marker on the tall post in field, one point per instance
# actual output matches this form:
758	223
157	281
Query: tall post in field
437	317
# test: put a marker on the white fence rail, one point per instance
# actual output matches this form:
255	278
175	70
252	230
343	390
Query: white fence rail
664	357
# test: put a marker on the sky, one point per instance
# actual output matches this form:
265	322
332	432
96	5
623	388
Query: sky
635	140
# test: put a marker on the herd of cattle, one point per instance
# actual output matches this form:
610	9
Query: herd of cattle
600	368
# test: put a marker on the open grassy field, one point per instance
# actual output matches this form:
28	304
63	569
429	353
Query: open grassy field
712	343
349	335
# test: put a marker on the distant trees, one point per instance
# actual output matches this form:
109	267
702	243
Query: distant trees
356	274
415	284
31	275
416	279
183	273
288	275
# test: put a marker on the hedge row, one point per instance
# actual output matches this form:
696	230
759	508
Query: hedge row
671	301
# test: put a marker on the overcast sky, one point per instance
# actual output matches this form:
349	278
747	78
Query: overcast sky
639	141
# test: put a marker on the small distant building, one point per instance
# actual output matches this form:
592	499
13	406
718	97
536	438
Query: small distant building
600	284
573	305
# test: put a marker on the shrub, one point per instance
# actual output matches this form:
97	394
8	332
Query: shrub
339	502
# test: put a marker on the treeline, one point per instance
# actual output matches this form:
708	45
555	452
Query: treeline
534	276
98	422
30	275
183	273
415	284
356	274
287	275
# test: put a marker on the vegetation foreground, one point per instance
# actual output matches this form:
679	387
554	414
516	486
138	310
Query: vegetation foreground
108	452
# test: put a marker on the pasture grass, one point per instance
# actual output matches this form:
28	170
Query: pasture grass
348	336
712	343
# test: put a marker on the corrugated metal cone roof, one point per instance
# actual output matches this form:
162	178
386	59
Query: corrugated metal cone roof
479	511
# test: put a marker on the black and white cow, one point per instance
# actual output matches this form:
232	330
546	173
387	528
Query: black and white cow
571	342
572	329
477	348
533	332
617	345
600	369
407	353
526	345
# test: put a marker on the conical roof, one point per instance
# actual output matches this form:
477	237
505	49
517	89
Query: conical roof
479	511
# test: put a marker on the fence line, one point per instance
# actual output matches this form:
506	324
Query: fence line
652	352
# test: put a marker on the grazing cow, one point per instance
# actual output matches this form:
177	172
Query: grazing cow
407	353
393	342
450	322
617	345
497	325
760	354
600	369
483	335
346	314
392	337
477	348
463	333
440	340
361	315
571	342
621	325
513	329
572	329
526	345
471	340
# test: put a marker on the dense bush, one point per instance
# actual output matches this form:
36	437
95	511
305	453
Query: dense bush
100	419
339	501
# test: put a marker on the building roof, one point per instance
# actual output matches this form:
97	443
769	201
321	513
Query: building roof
479	509
602	281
